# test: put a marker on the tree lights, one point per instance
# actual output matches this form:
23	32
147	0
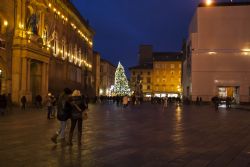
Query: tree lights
121	87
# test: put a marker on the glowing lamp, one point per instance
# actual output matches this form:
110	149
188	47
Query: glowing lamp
209	2
5	23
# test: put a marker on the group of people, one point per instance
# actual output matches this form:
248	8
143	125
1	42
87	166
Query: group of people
70	105
219	100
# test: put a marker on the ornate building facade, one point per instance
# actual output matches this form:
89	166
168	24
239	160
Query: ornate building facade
45	46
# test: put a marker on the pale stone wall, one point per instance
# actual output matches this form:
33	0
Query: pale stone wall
218	57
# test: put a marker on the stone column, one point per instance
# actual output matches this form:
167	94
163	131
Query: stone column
24	76
16	76
44	85
28	75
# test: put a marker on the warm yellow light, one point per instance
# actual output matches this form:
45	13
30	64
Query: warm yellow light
5	23
209	2
246	50
49	4
211	53
54	9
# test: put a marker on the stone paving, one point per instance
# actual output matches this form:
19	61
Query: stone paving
138	136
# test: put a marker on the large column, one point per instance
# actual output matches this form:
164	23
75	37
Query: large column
44	85
24	76
28	75
16	76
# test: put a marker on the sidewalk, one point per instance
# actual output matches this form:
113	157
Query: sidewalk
241	107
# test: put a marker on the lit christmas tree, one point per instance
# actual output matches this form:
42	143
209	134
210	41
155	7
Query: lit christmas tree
121	83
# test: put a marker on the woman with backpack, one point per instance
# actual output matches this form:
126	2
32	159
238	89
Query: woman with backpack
63	114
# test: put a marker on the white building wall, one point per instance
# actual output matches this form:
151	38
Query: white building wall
219	56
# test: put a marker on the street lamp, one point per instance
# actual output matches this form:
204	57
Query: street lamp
5	23
209	2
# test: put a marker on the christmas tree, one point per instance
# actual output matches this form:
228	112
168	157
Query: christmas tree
121	83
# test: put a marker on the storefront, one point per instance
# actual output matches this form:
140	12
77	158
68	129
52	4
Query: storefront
229	91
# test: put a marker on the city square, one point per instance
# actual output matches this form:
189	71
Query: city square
140	135
142	83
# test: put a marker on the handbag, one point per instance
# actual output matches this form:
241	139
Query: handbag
85	116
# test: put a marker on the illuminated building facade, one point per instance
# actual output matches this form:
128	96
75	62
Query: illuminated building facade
96	71
46	45
160	73
167	73
217	56
107	77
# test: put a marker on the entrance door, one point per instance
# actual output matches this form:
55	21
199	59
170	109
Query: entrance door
35	78
229	91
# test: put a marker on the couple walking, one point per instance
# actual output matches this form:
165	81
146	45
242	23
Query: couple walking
70	105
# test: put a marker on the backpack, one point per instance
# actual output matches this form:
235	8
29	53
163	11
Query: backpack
63	108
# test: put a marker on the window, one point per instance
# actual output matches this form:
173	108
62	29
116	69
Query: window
148	87
148	80
172	72
158	80
63	50
141	73
148	73
2	44
133	73
55	47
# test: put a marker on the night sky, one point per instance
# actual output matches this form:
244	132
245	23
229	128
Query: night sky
122	25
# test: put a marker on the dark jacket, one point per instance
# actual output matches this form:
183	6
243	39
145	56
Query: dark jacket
78	107
63	107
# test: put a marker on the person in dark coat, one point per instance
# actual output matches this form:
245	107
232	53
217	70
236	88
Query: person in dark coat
63	114
78	107
23	101
39	101
3	104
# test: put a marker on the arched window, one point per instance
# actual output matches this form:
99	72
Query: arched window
80	57
75	54
70	54
64	56
55	47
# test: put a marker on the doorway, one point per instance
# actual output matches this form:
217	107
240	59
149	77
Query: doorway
229	91
35	78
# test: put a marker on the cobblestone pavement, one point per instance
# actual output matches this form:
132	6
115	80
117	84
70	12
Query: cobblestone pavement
138	136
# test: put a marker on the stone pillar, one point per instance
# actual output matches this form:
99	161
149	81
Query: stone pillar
24	76
28	75
16	76
44	85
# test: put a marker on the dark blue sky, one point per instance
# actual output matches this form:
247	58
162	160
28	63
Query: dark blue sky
122	25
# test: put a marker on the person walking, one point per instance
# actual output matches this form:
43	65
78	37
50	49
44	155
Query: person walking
78	107
3	104
49	105
23	102
125	101
63	114
165	102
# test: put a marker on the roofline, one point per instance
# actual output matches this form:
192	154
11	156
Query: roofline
221	4
78	14
104	60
